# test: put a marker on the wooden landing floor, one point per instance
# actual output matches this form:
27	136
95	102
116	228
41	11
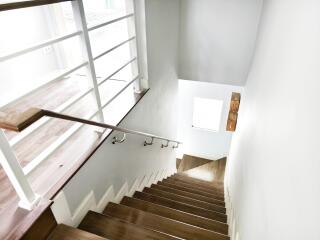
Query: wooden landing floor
52	174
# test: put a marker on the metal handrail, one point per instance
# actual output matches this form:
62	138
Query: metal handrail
19	122
28	3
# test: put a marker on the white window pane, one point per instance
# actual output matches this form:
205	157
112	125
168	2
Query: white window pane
102	39
22	28
207	113
112	61
98	11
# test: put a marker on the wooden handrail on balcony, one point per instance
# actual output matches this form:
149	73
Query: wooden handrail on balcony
18	122
26	4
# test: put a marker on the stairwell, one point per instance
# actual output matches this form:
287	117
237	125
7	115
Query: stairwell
178	207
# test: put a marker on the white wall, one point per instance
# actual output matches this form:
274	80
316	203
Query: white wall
273	169
116	164
217	39
199	142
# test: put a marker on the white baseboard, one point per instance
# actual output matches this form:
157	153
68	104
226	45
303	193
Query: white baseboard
62	212
151	180
121	193
88	203
106	198
134	187
232	217
143	182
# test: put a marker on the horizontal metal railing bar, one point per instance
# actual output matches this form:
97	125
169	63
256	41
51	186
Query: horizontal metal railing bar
43	156
53	78
26	4
69	71
117	71
118	93
110	22
19	122
43	121
38	46
113	48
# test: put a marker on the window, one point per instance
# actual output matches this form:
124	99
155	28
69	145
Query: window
75	57
207	113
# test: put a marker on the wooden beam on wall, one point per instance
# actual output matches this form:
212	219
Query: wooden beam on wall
233	112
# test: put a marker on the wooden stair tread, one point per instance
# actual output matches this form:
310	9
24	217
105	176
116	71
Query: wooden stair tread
211	189
216	168
63	232
185	177
113	228
159	223
188	194
218	187
191	190
176	215
181	206
186	200
190	162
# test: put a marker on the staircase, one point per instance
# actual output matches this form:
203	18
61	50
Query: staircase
179	207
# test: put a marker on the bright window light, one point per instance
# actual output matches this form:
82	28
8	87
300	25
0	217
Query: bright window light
207	113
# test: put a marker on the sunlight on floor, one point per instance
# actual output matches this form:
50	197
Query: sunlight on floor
201	174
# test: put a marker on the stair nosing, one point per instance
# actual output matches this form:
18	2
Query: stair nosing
222	206
164	219
197	186
207	194
180	211
195	200
188	206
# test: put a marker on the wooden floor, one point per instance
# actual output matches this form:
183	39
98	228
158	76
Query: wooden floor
52	174
156	216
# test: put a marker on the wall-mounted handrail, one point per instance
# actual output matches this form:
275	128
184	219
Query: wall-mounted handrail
19	122
28	3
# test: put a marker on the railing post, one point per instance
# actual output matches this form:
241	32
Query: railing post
131	25
11	166
80	20
141	42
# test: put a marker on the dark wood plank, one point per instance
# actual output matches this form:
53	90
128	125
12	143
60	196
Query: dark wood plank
113	228
176	215
217	192
186	200
191	190
191	195
185	177
181	206
26	4
63	232
19	121
189	162
233	112
48	96
42	228
213	189
215	169
161	224
184	181
15	221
